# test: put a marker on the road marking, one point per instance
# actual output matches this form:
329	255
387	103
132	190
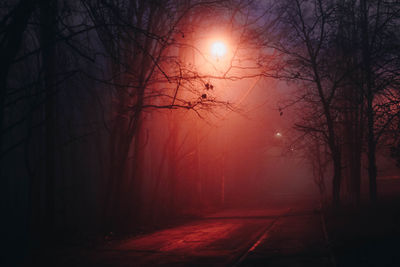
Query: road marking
264	236
261	238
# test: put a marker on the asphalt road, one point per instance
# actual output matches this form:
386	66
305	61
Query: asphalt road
285	230
237	237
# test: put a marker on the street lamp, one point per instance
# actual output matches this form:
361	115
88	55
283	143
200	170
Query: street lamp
218	49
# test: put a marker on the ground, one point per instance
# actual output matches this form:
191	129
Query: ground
280	234
296	232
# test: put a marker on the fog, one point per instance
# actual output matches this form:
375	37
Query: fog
228	158
123	117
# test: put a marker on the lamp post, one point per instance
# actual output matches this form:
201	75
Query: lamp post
218	50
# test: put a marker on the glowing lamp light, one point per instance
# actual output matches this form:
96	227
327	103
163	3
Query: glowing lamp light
218	49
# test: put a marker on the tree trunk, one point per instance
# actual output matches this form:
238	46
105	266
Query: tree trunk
337	175
357	153
48	17
372	170
11	42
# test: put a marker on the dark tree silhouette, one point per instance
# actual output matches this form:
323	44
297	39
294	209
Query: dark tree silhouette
340	56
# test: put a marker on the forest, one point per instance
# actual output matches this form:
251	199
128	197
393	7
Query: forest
119	116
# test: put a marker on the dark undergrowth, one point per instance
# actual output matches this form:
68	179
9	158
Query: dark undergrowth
367	234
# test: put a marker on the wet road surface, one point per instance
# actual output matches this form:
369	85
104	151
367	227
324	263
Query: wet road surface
261	237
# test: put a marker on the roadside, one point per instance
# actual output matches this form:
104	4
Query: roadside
368	235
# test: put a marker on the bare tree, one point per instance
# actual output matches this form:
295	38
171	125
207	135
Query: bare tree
303	35
379	68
